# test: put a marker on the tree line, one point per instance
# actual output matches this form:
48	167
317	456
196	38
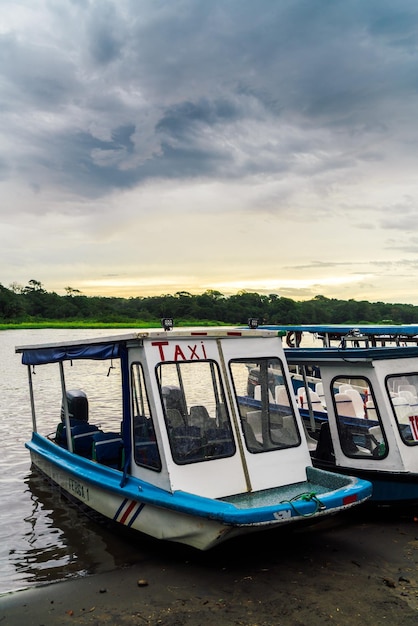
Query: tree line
33	303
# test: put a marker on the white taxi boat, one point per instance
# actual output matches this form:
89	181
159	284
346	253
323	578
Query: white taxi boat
153	429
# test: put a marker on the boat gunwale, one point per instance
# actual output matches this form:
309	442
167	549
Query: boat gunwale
184	502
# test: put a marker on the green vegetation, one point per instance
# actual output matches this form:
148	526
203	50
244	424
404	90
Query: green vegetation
34	307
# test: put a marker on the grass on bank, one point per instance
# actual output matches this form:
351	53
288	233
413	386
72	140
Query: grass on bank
87	324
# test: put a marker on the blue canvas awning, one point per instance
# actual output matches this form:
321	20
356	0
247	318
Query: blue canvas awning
98	352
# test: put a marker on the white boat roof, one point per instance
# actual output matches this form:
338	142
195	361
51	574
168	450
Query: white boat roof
397	330
107	347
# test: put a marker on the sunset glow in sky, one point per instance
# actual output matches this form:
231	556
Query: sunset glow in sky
155	146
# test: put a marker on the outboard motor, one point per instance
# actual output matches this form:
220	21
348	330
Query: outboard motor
172	398
78	406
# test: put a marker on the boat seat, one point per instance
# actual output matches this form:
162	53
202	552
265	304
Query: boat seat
410	397
345	405
219	442
172	398
257	394
107	448
254	421
186	443
358	401
402	409
61	434
314	398
250	439
281	396
175	418
411	388
316	402
319	388
81	436
200	417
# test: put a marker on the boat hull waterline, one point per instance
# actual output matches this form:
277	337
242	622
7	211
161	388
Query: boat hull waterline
185	518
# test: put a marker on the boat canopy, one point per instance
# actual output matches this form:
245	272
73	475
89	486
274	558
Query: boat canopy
401	330
101	348
41	356
353	355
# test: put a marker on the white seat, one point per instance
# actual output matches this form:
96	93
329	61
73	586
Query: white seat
345	405
411	388
254	420
404	393
402	409
314	398
257	394
319	388
344	387
281	396
357	401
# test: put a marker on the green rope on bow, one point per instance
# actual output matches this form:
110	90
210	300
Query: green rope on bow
306	497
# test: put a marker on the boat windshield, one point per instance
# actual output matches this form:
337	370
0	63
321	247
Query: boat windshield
403	395
265	409
360	429
197	420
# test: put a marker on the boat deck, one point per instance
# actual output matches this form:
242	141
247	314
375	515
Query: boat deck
271	497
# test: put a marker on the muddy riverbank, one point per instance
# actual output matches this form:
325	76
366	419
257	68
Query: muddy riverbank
359	568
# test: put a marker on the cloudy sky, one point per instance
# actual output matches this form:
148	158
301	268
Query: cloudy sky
153	146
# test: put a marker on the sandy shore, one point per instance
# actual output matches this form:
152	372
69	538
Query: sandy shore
359	568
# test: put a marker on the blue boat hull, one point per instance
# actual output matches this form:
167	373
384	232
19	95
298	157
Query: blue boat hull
187	518
390	488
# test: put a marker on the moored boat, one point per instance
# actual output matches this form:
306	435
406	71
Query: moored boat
359	402
155	430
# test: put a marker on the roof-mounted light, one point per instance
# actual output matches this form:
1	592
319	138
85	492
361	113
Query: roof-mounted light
167	323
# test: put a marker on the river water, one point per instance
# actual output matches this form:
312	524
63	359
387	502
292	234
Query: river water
42	538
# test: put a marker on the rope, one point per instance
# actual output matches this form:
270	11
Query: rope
306	497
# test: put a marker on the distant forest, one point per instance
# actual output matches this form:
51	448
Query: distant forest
32	303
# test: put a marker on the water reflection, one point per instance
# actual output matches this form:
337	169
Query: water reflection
55	530
60	541
42	537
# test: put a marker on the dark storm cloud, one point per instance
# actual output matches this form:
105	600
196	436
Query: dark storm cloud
156	89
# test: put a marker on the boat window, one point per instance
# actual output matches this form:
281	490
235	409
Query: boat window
146	451
196	415
360	429
265	409
403	395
